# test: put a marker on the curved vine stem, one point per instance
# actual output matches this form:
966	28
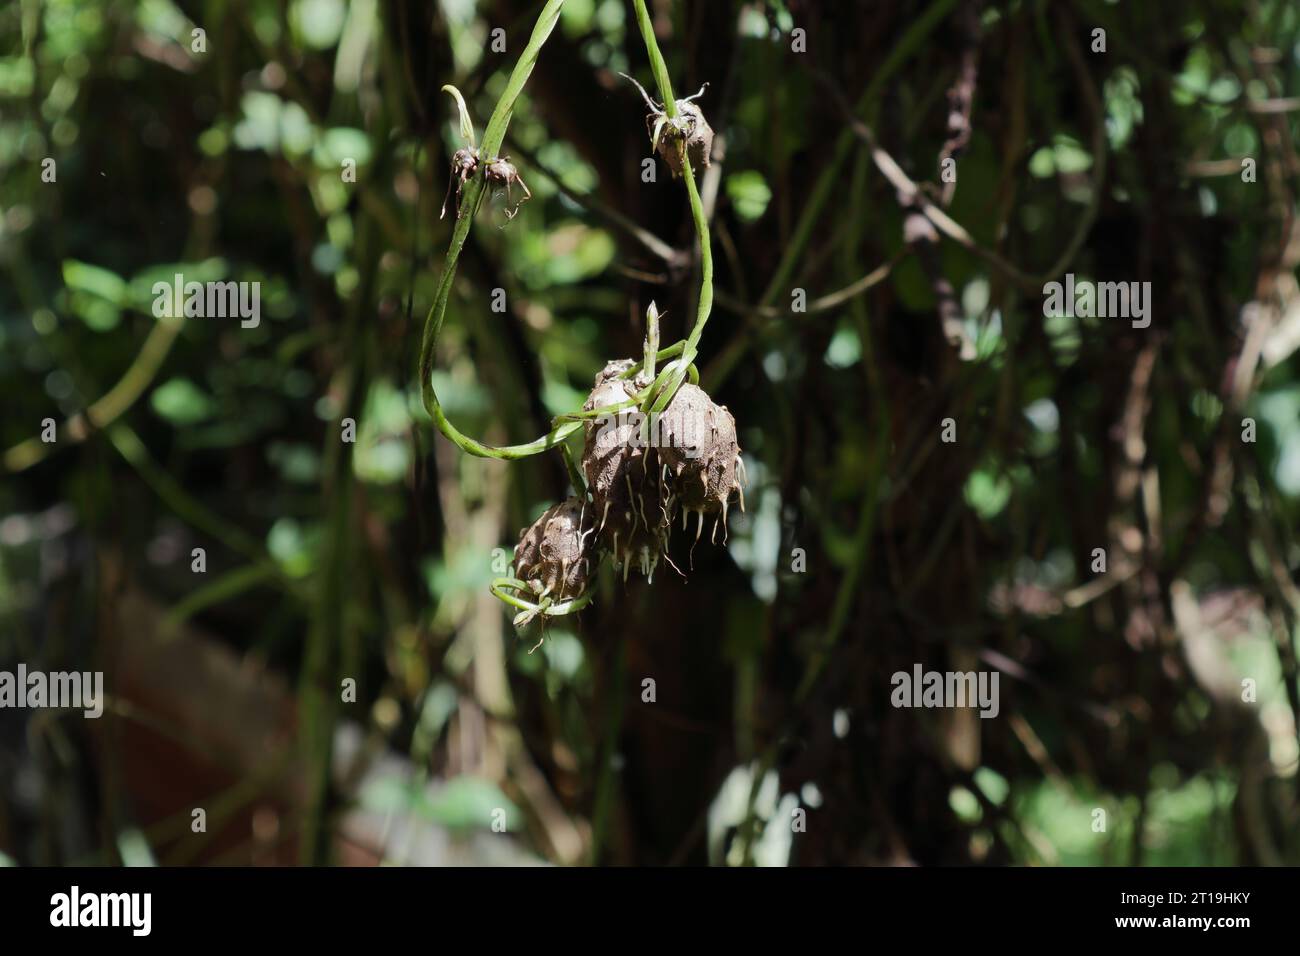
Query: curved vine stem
473	193
671	352
661	391
665	386
501	588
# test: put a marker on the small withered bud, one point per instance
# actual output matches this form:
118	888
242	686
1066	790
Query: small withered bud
691	126
501	172
688	126
612	370
698	449
464	164
629	508
554	555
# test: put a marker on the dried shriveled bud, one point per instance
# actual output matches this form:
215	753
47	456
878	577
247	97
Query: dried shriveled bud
502	173
611	371
555	554
689	125
628	505
698	447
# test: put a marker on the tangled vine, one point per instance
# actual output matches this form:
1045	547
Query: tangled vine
656	445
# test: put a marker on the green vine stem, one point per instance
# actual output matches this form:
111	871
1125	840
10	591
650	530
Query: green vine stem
661	391
655	397
664	387
545	606
473	193
657	65
502	586
575	473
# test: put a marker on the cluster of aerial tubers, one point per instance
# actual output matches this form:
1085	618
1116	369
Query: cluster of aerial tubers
641	468
641	472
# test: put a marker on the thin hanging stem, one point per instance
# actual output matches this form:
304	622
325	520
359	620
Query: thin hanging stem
657	65
473	194
664	387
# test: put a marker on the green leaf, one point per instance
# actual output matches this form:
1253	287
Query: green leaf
293	546
140	294
749	194
965	805
390	795
987	492
993	784
470	802
83	277
97	295
182	402
845	348
134	848
318	23
1065	156
340	143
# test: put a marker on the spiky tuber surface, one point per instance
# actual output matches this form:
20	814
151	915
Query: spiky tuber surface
640	475
628	505
698	445
609	436
554	555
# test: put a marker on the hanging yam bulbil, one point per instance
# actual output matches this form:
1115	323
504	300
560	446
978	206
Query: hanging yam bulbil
628	504
698	447
555	554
